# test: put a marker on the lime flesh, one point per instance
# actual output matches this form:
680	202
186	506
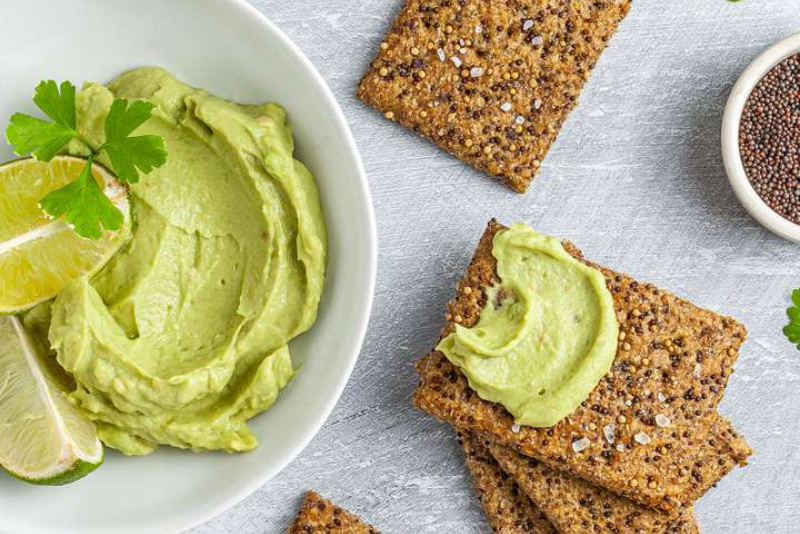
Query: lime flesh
44	439
40	256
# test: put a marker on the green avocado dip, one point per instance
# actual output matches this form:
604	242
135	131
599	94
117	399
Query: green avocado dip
546	336
182	337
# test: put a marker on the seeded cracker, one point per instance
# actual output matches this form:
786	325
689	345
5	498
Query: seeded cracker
509	511
320	516
491	82
576	507
674	360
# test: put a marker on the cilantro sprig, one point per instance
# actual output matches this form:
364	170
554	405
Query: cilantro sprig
82	203
792	330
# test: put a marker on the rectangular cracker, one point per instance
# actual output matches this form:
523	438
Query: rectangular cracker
321	516
674	362
508	509
461	72
576	507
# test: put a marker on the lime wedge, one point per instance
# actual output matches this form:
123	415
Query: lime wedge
44	439
39	256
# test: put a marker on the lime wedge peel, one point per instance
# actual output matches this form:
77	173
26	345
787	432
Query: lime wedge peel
40	256
44	439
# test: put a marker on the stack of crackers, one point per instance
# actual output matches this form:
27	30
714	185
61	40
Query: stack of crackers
490	81
636	455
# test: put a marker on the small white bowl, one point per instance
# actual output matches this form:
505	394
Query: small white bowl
730	139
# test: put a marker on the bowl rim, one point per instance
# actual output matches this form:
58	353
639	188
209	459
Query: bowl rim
731	154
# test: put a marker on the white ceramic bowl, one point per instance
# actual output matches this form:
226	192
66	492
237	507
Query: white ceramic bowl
228	47
730	139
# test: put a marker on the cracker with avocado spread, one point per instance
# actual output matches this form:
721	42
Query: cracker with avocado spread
577	507
320	516
649	431
490	82
508	509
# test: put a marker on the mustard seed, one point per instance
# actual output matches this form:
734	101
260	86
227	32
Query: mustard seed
769	138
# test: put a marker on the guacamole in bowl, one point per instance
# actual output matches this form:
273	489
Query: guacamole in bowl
183	336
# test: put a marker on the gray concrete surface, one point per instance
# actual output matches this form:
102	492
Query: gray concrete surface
635	180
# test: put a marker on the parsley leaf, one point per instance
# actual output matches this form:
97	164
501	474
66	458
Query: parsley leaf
42	138
126	153
57	103
84	205
792	330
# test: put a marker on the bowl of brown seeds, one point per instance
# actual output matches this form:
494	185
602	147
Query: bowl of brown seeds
761	138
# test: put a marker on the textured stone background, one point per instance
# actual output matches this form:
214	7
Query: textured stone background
635	180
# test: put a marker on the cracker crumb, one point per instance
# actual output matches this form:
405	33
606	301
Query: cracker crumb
581	445
321	515
456	61
642	438
537	41
663	421
476	72
609	431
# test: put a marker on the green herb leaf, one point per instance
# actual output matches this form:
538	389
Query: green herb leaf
29	135
127	154
84	205
42	138
57	104
792	330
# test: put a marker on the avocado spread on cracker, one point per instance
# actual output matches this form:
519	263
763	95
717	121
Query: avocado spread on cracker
183	336
546	335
